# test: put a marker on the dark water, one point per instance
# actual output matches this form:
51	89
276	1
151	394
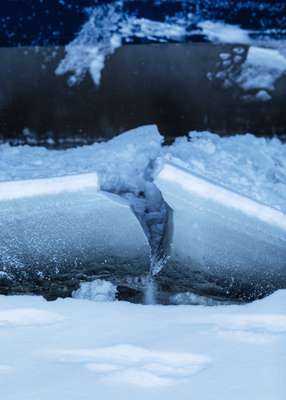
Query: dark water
162	84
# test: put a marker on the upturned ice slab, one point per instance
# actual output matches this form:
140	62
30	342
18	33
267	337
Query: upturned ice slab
223	243
64	227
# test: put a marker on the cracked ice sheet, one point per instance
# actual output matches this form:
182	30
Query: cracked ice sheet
126	351
254	167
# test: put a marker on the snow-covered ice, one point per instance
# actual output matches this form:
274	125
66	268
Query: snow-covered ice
77	349
252	166
67	225
225	241
244	173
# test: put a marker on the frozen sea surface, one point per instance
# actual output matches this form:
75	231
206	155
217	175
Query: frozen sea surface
79	349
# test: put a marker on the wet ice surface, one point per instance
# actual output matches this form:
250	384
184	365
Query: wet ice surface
75	348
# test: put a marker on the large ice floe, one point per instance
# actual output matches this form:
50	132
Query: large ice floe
206	214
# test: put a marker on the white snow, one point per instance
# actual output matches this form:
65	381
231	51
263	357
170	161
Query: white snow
121	350
253	167
121	164
261	70
27	317
254	70
220	32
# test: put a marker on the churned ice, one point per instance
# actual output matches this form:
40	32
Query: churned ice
254	167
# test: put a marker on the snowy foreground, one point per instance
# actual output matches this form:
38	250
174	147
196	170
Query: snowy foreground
78	350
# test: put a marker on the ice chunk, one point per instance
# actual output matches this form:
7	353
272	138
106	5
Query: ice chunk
222	239
97	290
262	68
67	225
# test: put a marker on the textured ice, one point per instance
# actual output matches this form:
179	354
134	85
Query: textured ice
242	172
67	224
254	167
108	27
261	70
254	70
219	32
97	290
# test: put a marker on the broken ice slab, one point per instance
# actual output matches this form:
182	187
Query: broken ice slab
223	243
66	226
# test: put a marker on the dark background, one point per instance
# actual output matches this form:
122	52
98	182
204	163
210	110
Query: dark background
55	22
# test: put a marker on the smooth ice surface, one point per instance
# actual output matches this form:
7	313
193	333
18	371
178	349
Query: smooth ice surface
45	187
226	236
67	224
89	221
187	181
119	350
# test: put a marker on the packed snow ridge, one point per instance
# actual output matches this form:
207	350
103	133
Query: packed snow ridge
126	165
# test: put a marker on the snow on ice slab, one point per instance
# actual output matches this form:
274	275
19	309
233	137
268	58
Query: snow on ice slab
49	186
68	224
221	239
